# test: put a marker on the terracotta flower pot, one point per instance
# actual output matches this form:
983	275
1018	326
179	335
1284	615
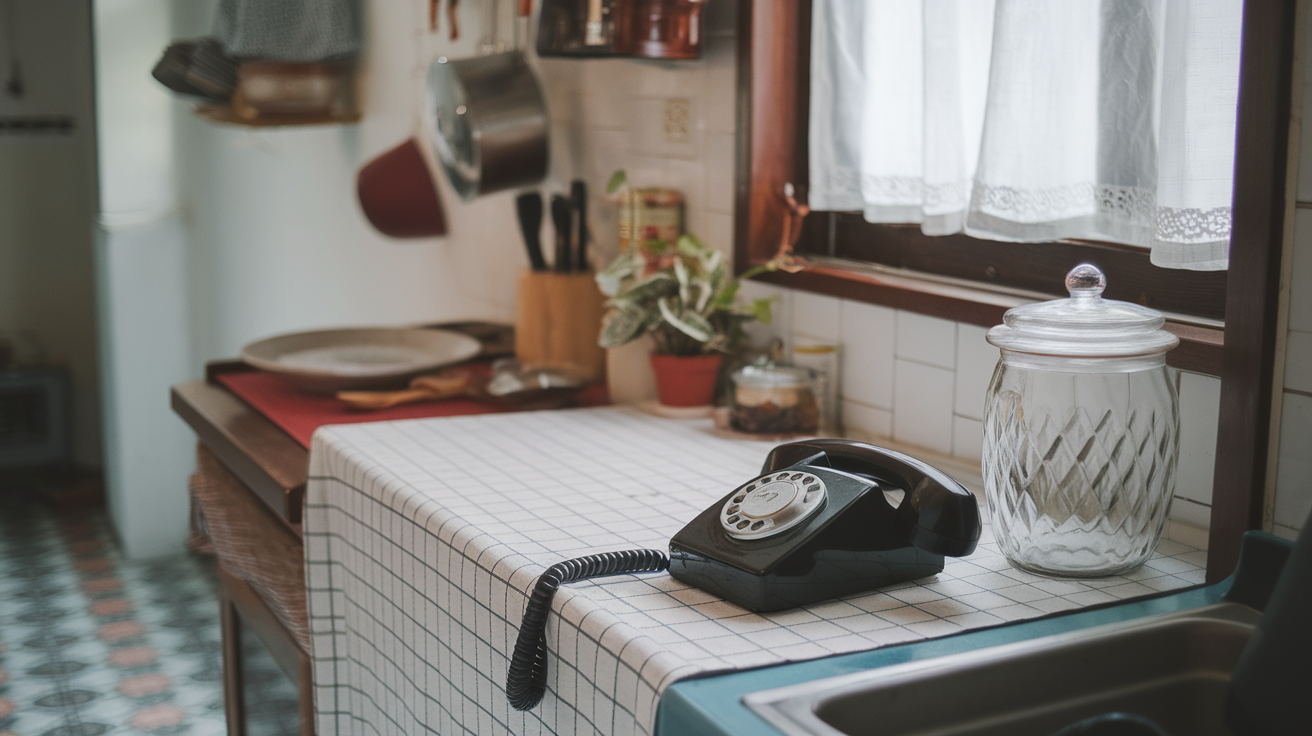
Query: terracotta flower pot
686	380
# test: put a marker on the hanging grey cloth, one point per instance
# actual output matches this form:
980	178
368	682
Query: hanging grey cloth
289	30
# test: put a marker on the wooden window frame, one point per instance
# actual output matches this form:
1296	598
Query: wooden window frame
773	40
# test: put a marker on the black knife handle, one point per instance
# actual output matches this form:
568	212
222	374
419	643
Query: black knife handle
578	192
529	208
561	212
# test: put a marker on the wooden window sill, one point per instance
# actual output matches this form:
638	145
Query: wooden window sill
1201	341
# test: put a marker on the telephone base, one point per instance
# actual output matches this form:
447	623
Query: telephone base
816	524
836	573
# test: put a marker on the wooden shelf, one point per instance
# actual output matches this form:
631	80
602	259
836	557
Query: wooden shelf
227	116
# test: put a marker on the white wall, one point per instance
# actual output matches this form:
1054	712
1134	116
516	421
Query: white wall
1293	492
141	271
47	198
278	242
609	114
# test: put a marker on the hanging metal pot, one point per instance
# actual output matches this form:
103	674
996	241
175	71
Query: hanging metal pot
487	119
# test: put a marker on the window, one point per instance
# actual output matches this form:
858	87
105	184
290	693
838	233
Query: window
773	46
1025	120
944	268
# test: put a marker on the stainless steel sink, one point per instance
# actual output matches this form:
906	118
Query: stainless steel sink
1172	668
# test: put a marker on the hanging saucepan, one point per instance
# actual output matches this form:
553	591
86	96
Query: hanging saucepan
488	122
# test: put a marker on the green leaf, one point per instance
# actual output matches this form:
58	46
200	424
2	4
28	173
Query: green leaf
656	247
727	297
616	181
681	274
689	323
704	293
654	286
692	249
609	283
621	326
762	268
611	279
713	263
721	282
762	309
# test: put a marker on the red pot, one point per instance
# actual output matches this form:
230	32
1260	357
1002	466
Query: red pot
398	195
686	380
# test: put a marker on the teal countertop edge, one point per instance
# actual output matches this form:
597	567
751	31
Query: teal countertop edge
712	706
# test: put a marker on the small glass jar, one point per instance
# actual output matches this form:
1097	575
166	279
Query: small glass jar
1081	433
823	359
774	399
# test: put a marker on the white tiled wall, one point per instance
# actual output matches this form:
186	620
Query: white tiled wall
1293	501
608	114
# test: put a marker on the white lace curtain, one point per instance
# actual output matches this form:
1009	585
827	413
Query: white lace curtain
1031	120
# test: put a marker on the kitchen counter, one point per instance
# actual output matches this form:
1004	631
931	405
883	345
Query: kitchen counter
716	706
422	538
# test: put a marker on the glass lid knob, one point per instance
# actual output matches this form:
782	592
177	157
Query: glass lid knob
1085	281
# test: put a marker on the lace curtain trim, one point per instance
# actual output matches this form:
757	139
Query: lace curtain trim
1132	206
1193	225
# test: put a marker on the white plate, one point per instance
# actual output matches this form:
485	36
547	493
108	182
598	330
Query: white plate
358	357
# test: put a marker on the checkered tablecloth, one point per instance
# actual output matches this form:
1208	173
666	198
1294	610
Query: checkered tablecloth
423	536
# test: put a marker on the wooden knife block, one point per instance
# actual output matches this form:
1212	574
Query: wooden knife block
558	322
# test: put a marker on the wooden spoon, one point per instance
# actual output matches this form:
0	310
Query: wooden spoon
423	388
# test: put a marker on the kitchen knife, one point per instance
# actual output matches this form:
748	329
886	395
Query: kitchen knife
578	192
561	212
529	208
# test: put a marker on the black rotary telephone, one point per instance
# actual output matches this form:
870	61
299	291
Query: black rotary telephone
815	524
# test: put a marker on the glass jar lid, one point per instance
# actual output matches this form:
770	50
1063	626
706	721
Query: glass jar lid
771	376
1085	325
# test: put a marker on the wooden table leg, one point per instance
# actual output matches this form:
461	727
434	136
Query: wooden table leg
306	696
234	696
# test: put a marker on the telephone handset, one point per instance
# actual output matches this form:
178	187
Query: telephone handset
815	524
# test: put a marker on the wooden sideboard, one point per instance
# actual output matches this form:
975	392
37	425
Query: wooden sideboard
242	452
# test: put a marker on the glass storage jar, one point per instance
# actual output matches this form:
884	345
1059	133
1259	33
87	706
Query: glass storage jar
1081	433
775	399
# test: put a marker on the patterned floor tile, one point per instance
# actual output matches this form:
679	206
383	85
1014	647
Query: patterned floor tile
92	644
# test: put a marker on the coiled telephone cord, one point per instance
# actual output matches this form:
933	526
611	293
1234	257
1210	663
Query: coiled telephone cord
526	680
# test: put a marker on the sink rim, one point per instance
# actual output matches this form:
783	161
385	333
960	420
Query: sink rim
792	709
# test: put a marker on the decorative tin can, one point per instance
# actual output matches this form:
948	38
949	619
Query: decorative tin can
650	214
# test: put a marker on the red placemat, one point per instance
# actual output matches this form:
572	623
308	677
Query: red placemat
299	413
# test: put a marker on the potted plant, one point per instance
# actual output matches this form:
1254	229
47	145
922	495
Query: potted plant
683	295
